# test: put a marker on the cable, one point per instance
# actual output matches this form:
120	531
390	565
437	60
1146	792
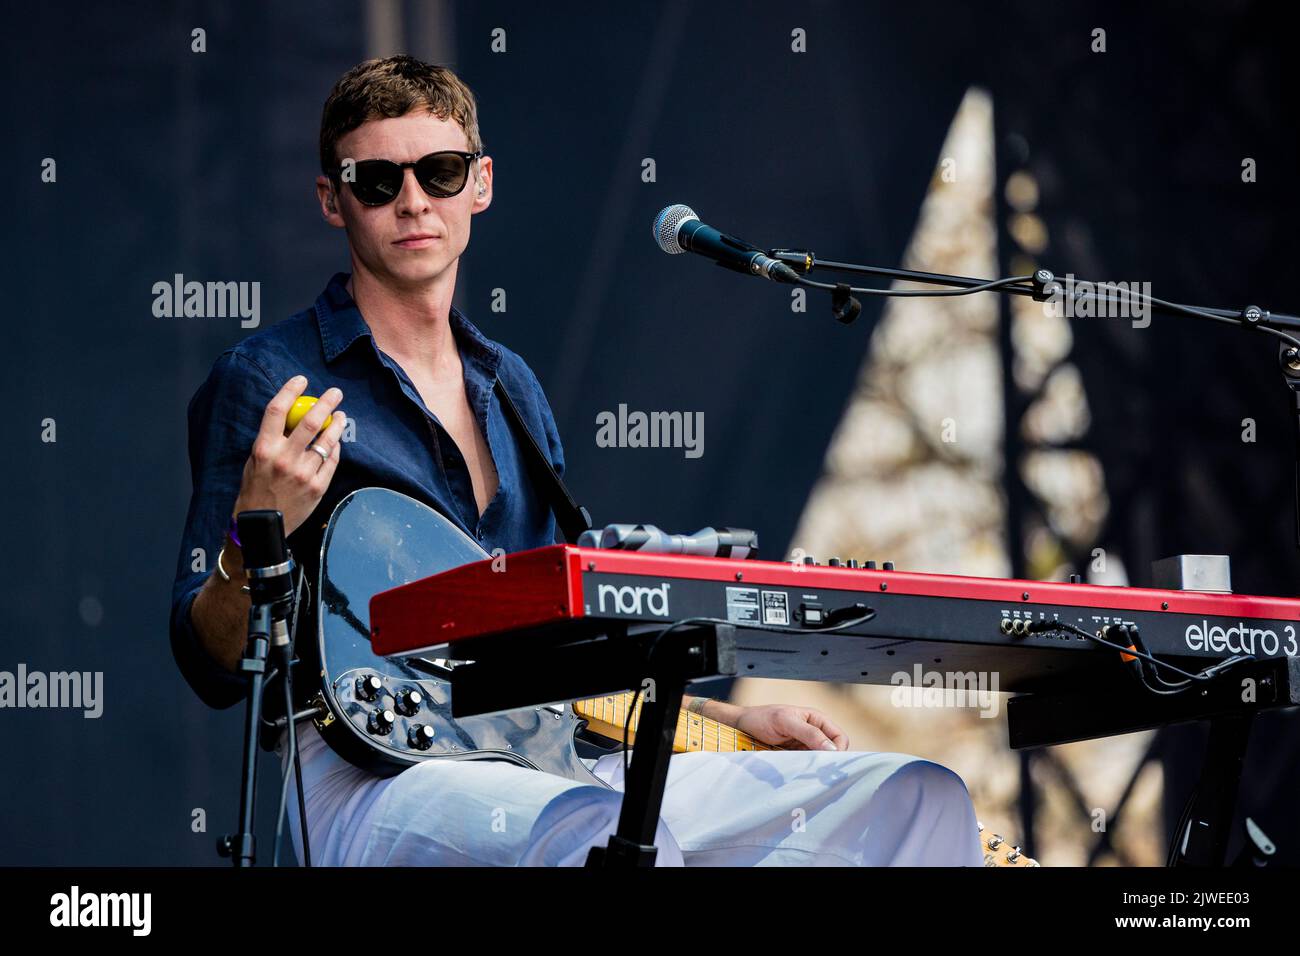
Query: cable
627	725
1289	339
293	729
927	293
1184	818
1206	674
280	813
1193	311
1110	288
302	803
1143	667
292	769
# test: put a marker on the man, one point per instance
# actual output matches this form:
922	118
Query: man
403	171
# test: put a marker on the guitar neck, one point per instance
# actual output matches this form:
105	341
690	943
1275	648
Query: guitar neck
607	715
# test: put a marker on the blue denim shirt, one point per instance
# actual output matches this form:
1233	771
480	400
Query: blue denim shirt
399	444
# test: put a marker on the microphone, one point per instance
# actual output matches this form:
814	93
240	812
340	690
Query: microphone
268	566
736	543
678	229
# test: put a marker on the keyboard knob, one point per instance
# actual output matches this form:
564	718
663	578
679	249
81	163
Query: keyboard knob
870	565
833	563
853	563
1076	579
889	565
809	559
368	687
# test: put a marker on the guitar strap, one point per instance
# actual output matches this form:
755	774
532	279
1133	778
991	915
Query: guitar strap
572	518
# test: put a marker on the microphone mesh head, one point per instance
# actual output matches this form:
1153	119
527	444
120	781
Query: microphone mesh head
667	223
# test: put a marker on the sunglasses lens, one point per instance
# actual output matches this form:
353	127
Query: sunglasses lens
442	174
377	182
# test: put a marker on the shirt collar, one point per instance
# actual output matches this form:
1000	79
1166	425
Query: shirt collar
341	324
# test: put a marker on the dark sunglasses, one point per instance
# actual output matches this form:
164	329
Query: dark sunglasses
442	175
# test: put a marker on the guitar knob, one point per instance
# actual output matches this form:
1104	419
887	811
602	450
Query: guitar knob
420	737
409	701
368	687
381	722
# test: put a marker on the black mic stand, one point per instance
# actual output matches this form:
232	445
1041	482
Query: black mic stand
1043	286
1202	836
269	568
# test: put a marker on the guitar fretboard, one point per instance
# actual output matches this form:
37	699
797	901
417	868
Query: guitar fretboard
607	716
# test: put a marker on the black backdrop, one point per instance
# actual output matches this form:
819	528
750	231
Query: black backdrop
170	161
1140	160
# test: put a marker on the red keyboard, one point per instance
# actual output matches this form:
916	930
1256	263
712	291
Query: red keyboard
1014	628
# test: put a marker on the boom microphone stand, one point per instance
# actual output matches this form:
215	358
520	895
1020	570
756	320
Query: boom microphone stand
1043	286
1202	835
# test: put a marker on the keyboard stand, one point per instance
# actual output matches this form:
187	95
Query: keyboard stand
507	675
1058	717
670	663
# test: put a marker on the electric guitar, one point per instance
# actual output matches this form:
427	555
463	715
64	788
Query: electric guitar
385	714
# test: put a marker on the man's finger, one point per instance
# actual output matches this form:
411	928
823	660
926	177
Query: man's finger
277	410
811	737
330	464
307	429
331	438
829	728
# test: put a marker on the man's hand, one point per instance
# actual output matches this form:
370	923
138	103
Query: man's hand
798	728
283	473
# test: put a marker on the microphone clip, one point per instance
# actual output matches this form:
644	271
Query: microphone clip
844	306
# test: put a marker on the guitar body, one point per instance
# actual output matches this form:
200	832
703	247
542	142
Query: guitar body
377	539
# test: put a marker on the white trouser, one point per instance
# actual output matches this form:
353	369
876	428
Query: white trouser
754	808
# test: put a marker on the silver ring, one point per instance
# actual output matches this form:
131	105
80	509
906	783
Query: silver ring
324	455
